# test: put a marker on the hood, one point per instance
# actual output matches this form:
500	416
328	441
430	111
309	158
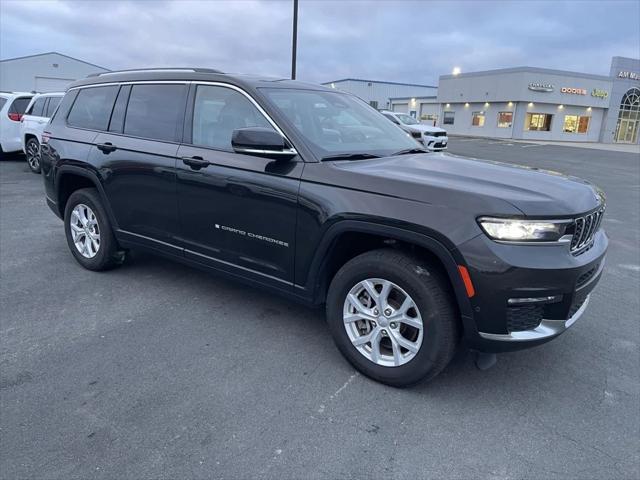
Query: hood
425	128
433	177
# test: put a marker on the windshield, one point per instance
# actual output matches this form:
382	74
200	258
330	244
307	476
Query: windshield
335	123
407	119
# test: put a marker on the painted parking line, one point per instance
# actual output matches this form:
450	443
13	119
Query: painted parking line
532	145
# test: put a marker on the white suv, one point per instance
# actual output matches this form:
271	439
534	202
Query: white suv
12	107
433	138
33	123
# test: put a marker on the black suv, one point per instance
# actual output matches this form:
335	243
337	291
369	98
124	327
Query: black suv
313	194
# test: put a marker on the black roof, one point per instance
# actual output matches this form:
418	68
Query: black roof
193	74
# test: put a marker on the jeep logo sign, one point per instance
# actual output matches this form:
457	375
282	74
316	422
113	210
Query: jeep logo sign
541	87
599	93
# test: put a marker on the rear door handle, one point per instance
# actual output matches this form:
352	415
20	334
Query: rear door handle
196	163
107	147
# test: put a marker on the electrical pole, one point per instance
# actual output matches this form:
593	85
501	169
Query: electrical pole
295	40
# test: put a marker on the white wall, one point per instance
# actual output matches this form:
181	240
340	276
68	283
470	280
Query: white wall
43	73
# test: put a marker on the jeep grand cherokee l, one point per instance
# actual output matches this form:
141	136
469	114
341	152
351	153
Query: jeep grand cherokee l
313	194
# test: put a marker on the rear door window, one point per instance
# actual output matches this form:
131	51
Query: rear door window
19	105
92	108
37	108
51	106
155	111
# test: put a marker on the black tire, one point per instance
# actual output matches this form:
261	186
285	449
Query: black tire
33	159
108	254
431	293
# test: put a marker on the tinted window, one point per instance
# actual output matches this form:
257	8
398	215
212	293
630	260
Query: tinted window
19	105
92	108
2	102
51	107
37	108
154	111
392	118
218	111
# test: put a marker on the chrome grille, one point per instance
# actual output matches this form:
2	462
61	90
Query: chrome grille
585	228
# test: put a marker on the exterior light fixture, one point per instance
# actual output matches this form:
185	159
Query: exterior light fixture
448	105
413	100
486	104
510	104
560	107
466	104
456	71
531	104
589	109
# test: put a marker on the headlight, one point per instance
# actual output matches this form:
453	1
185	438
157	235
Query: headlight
516	230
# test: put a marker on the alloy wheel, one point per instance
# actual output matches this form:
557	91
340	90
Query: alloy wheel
33	154
383	322
85	230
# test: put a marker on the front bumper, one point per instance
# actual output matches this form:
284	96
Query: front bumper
549	288
435	143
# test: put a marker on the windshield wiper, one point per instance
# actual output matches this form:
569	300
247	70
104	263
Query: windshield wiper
350	156
408	151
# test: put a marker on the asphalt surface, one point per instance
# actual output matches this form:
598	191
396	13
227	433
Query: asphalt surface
156	370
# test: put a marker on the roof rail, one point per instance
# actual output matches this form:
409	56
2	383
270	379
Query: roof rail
177	69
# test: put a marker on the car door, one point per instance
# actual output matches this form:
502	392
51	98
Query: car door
136	157
237	211
35	117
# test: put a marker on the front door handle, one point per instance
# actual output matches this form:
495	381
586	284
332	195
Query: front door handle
196	163
107	147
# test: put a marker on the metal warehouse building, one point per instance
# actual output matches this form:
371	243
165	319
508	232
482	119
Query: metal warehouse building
46	72
379	94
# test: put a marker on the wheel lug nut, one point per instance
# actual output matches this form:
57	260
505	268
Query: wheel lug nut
376	312
393	325
373	324
387	312
384	332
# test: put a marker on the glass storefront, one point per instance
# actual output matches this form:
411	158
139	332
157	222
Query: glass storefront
540	122
576	123
629	117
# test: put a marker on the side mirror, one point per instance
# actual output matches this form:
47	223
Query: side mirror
262	142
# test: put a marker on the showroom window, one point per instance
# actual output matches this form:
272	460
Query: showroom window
576	124
505	119
477	119
538	122
448	117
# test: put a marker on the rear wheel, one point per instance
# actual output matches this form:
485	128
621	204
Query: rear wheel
392	317
88	230
32	151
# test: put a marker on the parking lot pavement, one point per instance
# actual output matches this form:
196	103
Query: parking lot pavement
157	370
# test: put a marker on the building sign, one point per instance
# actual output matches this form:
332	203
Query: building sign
629	75
599	93
541	87
573	91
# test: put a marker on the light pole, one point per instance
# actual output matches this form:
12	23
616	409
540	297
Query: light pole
295	40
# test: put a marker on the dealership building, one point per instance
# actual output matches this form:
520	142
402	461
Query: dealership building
536	104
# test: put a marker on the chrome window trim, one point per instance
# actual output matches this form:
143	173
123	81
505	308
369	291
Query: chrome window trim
275	126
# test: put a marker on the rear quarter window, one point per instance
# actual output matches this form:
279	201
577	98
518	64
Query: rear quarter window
92	108
3	101
19	105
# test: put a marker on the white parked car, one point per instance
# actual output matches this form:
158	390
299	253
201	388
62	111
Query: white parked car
12	107
33	123
433	138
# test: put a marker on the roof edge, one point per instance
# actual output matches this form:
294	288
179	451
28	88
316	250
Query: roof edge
54	53
378	81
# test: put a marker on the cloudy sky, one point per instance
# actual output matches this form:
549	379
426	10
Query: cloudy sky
406	41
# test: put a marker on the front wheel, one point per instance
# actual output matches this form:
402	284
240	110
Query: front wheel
32	149
392	316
